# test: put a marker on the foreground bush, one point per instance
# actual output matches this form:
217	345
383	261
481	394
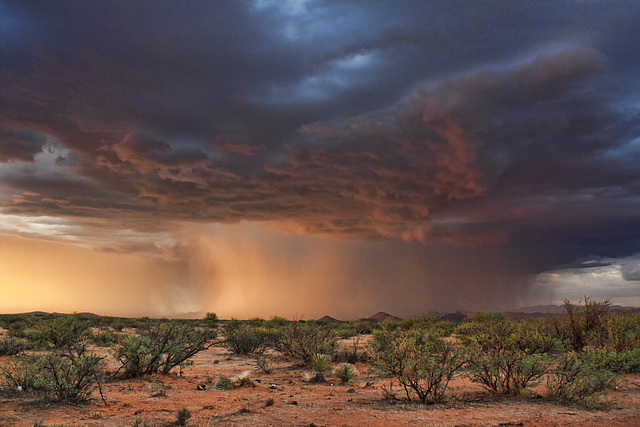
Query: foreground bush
161	347
64	379
501	360
574	380
11	346
67	372
422	363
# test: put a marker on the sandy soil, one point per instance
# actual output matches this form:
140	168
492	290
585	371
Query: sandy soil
282	398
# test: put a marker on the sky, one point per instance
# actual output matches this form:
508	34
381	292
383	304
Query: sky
304	158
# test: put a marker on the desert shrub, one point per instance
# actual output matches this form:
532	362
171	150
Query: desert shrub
245	339
581	323
105	338
497	360
623	361
352	353
161	347
66	373
277	322
56	377
320	364
573	380
211	320
11	346
182	416
619	332
346	372
428	323
534	337
223	383
421	362
266	363
303	340
69	333
20	374
134	354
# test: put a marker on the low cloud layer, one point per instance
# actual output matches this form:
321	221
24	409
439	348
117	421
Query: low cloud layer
508	132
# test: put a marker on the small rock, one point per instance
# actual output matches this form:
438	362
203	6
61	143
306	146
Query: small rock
202	386
351	390
293	402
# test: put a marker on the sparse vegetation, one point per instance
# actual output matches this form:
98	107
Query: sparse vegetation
578	356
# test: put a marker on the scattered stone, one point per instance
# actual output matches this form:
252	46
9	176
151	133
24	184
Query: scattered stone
293	402
351	390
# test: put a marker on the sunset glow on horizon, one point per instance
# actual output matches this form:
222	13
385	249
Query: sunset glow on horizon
309	158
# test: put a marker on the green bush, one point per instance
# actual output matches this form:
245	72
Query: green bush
56	377
105	338
246	339
161	347
504	357
623	361
69	333
422	363
619	332
12	346
304	340
573	380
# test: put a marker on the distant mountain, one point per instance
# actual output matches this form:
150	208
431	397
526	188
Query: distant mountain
458	316
379	317
328	319
55	314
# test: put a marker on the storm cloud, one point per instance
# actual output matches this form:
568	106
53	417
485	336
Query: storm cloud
505	135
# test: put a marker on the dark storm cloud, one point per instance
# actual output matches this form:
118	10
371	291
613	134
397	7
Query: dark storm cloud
20	144
510	123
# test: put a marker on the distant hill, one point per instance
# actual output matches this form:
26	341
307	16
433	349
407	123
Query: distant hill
55	314
379	317
458	316
328	319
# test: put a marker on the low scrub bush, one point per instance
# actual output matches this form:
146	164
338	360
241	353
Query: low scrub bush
11	346
304	340
246	339
501	359
352	353
574	380
64	333
161	347
422	363
56	377
623	361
